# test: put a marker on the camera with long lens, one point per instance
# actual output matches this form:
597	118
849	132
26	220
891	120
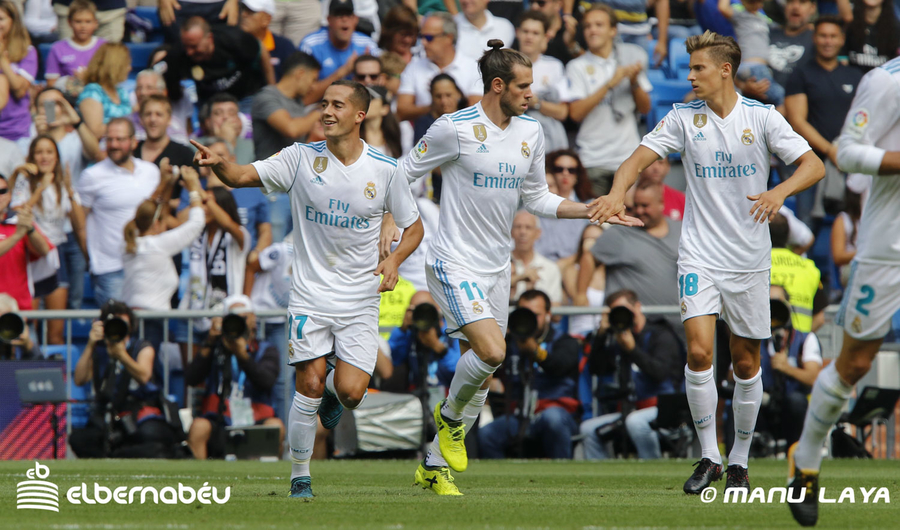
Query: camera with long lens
781	323
115	329
11	327
523	324
621	319
425	317
234	326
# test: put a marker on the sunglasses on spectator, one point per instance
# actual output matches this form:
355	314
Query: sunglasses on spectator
363	77
541	3
429	38
3	191
562	169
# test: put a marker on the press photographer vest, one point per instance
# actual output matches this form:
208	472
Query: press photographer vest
261	400
800	278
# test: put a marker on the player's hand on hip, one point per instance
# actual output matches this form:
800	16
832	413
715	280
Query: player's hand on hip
766	205
388	268
204	157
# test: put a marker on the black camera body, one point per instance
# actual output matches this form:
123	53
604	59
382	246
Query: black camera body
11	327
115	329
621	319
426	317
234	326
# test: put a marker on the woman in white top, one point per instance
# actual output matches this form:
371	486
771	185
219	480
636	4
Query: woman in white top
150	276
57	212
581	325
844	232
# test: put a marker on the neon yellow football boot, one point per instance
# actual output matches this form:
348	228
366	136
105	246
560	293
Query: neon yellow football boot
436	479
452	440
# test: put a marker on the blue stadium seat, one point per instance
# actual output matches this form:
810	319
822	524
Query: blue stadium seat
679	58
140	56
657	75
151	14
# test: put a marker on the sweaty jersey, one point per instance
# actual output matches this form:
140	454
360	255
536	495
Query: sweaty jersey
485	170
871	128
725	160
337	214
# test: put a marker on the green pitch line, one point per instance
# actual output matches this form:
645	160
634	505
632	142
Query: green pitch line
498	494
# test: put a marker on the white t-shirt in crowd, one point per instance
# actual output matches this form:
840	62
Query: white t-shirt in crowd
52	217
337	213
416	78
725	161
549	277
471	42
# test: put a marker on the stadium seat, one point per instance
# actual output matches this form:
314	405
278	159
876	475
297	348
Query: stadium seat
679	58
151	14
140	56
657	75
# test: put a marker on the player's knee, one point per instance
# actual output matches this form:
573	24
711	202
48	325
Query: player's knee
351	398
745	368
310	384
494	354
699	358
858	367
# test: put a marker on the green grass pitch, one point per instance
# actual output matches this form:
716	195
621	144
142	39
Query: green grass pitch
498	494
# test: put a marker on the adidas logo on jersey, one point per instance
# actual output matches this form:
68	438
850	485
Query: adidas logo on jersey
482	149
317	180
699	137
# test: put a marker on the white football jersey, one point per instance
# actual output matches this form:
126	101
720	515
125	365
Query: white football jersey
485	170
337	214
874	124
725	160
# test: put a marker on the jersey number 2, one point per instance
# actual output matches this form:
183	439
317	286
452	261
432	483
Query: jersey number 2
868	295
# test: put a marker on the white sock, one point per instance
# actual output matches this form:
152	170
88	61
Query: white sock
302	424
471	373
703	398
745	404
329	382
829	395
470	416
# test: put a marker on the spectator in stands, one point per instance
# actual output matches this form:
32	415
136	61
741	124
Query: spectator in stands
367	11
642	260
20	244
110	192
229	367
439	39
256	15
446	98
798	275
103	97
476	25
640	362
558	239
296	19
150	276
531	270
220	59
873	34
151	83
751	27
174	13
222	119
18	69
156	116
673	200
40	20
820	92
634	24
280	117
69	58
58	212
77	144
336	47
252	206
368	71
123	376
550	360
12	158
392	66
380	128
400	32
608	85
570	267
790	45
110	16
844	232
563	29
549	102
22	347
410	345
217	259
682	22
710	18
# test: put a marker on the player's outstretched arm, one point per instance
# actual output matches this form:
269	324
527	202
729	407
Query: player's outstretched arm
611	207
409	241
810	170
231	174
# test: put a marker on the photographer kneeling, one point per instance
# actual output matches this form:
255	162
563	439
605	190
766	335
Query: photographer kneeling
642	359
239	373
538	361
127	418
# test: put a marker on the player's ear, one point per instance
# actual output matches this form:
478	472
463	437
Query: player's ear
497	85
360	116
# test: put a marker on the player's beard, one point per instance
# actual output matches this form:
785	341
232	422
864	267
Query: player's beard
507	106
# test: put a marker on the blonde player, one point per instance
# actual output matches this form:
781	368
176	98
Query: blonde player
868	144
724	253
339	191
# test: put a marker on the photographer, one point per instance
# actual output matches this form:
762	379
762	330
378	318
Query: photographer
638	359
127	419
15	344
239	373
541	363
422	336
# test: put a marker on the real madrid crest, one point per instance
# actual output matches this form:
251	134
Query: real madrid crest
589	69
476	308
197	73
856	325
369	192
526	151
699	120
683	308
747	138
480	132
320	164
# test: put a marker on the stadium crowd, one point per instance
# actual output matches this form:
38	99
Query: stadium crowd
101	207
